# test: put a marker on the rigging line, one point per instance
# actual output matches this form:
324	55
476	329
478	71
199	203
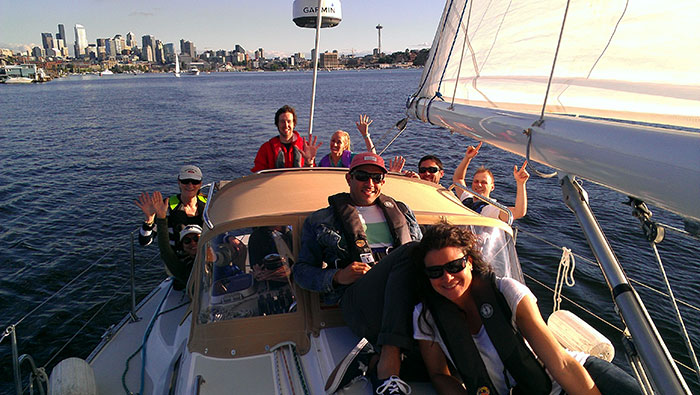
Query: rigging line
574	303
65	286
86	323
454	41
591	262
599	318
684	331
554	61
461	58
432	60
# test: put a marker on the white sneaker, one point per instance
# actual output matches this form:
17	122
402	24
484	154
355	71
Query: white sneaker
351	368
394	386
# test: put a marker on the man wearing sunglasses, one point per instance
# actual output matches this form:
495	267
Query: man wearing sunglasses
345	256
185	208
429	169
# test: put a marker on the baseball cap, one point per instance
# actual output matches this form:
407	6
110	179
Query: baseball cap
190	172
189	229
367	158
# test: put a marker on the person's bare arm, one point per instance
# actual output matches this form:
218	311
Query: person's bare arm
436	364
520	209
461	170
363	128
570	374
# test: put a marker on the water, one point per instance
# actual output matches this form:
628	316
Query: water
77	151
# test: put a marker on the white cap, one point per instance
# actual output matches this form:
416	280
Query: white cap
190	172
196	229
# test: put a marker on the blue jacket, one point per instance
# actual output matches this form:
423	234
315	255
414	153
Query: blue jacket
323	240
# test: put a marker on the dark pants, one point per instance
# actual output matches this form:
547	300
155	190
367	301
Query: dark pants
379	306
610	379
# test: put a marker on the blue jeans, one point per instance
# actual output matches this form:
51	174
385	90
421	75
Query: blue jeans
610	379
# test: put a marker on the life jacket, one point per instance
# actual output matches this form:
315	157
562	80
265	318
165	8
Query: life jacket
354	233
178	219
281	153
517	358
345	159
475	204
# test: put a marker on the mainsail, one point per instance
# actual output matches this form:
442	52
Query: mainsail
621	81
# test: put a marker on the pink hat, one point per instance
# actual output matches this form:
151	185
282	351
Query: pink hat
367	158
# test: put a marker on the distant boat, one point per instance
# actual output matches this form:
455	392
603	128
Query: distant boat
106	72
193	70
177	66
19	80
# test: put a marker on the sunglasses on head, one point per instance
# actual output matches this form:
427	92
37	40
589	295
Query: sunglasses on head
190	239
452	267
193	182
362	176
431	169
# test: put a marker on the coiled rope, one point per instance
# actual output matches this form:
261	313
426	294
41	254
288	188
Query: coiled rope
565	274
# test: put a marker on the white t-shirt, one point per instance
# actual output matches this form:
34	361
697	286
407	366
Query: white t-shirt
375	226
514	292
487	211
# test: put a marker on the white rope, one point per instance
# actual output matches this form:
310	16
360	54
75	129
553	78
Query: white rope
565	274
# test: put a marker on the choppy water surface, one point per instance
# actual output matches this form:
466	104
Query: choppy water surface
76	152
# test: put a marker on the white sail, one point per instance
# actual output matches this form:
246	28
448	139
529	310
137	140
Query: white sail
631	61
177	65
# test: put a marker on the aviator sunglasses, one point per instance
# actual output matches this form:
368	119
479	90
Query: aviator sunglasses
190	239
362	176
431	169
452	267
193	182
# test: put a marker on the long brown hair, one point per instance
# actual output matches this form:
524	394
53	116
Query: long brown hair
441	236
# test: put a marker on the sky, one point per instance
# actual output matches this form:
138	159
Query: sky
219	24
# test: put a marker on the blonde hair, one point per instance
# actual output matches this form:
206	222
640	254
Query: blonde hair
345	138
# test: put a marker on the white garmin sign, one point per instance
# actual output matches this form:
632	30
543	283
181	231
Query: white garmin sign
306	11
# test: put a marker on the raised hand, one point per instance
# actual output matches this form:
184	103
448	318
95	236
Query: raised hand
159	205
144	203
521	176
397	163
310	149
472	151
363	124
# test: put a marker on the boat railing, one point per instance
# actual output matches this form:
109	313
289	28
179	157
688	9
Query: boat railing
38	375
484	199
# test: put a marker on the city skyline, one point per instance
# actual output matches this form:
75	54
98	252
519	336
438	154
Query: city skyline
406	24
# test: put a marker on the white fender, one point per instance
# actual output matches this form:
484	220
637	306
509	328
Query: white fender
575	334
72	376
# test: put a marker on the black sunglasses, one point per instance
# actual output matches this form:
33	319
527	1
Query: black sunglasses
431	169
193	182
362	176
456	266
190	239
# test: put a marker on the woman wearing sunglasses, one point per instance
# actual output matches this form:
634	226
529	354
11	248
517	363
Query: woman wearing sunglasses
185	208
491	329
341	154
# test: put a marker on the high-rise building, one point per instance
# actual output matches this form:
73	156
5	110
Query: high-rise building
38	52
158	52
187	48
81	42
119	44
262	53
47	40
130	40
239	49
61	32
148	44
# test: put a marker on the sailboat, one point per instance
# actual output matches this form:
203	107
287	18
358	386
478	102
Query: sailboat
601	91
230	333
177	66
